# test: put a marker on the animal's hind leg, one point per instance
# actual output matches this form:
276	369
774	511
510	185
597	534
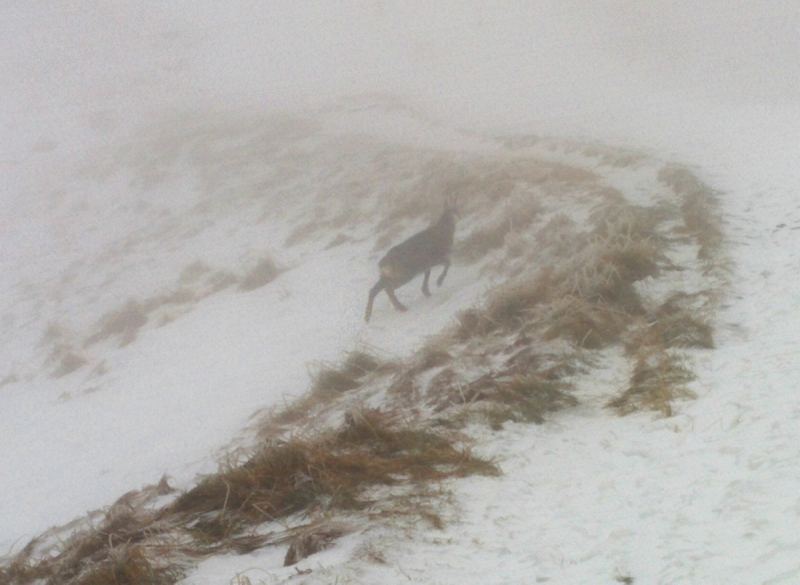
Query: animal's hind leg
425	290
397	304
440	280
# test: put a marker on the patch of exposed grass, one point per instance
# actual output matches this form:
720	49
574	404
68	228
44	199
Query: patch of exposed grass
328	382
62	357
112	551
432	355
349	376
517	216
659	378
525	399
682	331
699	207
589	325
310	540
325	473
123	323
264	272
498	397
127	565
508	308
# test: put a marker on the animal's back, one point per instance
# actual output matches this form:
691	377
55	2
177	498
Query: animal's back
418	253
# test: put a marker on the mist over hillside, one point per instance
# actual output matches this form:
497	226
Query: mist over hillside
195	196
491	63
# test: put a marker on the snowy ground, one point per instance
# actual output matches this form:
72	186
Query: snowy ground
97	211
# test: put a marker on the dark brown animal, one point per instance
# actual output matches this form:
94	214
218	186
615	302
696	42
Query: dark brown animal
419	253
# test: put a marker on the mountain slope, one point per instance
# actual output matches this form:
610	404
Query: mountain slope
587	271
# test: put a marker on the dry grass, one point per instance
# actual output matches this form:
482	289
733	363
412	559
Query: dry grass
316	476
683	329
700	209
121	565
114	550
659	378
525	399
588	325
311	540
517	216
264	272
124	323
62	357
322	474
329	379
328	382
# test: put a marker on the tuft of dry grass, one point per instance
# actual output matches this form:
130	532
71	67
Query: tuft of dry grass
658	379
518	216
112	551
700	209
525	399
589	325
264	272
324	473
310	540
684	330
329	380
62	356
501	397
508	308
127	565
123	323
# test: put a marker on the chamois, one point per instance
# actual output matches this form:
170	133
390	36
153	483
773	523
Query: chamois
419	253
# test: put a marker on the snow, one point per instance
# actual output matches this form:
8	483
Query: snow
707	496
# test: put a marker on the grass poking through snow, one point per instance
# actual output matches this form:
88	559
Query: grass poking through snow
582	270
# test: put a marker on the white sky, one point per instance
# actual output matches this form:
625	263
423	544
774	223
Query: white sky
491	62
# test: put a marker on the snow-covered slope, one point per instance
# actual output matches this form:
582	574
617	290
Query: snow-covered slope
165	280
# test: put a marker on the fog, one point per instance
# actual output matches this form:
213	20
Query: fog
560	65
712	84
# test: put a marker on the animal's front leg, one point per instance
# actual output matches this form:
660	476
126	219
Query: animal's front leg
425	290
